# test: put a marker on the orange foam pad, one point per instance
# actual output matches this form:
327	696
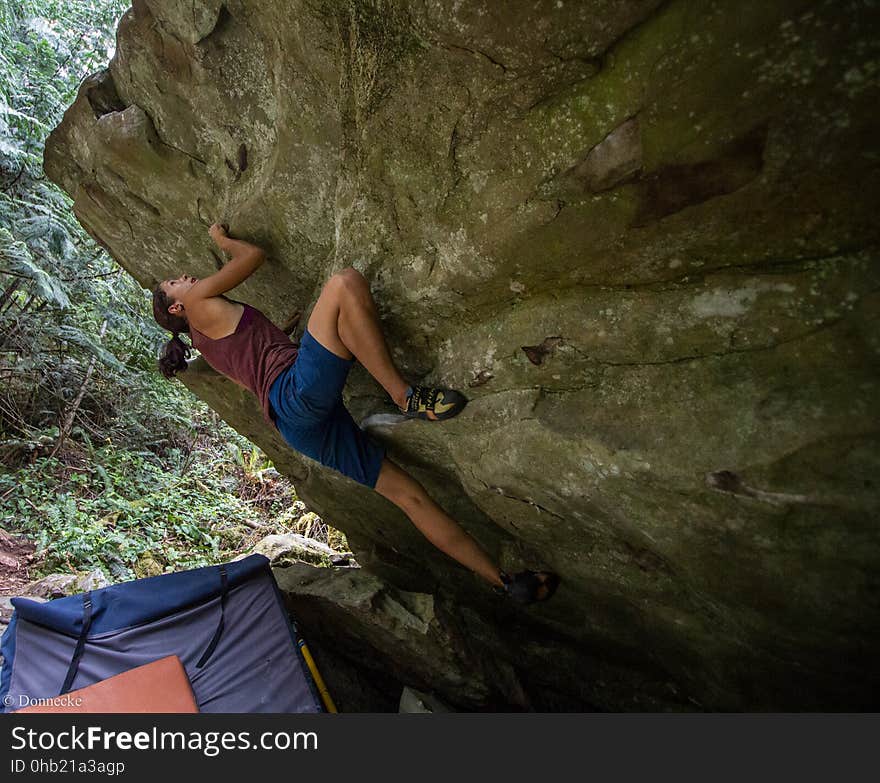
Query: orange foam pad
160	686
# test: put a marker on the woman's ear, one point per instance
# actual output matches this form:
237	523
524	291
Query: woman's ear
175	309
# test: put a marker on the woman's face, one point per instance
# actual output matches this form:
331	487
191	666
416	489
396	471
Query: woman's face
176	289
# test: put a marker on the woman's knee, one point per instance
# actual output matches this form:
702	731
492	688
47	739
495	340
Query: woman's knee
349	281
407	496
401	489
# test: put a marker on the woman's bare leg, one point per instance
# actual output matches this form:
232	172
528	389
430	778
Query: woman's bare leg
345	321
435	524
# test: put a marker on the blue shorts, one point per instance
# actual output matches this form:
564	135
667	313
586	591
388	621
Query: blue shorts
307	407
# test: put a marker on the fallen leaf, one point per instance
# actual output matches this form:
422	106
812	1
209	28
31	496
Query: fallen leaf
483	376
537	353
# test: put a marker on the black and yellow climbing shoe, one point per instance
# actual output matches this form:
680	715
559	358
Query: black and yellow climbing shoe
443	403
529	587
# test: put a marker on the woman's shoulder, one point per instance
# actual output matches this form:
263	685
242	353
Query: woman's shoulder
215	316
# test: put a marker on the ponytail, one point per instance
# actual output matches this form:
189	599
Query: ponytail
173	355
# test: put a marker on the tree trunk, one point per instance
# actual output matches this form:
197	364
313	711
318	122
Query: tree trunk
9	338
7	294
70	413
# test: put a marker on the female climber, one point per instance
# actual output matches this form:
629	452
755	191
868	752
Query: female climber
300	388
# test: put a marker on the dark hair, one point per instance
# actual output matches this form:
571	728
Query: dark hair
173	356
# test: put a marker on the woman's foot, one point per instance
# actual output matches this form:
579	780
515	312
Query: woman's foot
435	404
529	587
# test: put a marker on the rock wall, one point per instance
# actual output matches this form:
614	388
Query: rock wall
641	235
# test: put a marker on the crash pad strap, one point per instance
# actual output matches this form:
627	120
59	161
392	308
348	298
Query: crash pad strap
80	644
209	651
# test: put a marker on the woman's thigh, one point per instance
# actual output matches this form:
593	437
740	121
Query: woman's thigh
337	443
324	321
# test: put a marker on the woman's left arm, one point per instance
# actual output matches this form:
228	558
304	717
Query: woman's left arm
245	260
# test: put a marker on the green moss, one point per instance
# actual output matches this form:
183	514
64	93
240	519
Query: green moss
683	72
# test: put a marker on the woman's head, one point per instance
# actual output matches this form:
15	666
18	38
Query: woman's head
169	314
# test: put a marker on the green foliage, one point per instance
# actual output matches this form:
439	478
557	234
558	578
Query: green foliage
47	48
15	256
111	508
251	460
104	462
57	288
65	305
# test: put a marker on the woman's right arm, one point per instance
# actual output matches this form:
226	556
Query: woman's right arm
245	260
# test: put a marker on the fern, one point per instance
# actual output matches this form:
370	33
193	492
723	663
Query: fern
77	342
56	286
16	257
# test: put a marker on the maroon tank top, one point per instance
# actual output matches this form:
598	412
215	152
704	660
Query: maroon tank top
253	356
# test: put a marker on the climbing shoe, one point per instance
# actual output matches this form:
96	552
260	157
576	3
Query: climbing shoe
528	587
443	403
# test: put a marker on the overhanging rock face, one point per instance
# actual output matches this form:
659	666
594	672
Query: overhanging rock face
640	235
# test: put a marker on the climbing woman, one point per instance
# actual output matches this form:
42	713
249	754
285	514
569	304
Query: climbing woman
300	388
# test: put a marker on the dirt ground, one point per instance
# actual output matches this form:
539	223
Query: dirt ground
16	561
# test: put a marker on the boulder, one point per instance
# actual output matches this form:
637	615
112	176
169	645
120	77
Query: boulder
640	235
